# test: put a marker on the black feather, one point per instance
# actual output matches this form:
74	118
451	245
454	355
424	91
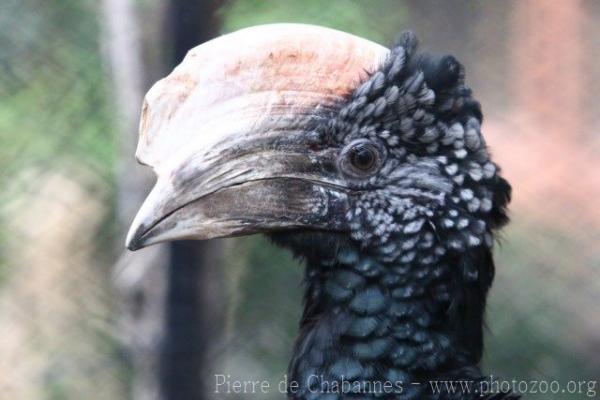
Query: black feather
402	294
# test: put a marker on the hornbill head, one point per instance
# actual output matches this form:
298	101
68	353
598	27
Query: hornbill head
297	127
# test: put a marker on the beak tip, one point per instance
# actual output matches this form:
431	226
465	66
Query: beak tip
132	246
134	240
141	232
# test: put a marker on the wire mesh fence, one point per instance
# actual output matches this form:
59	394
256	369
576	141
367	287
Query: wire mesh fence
56	205
532	64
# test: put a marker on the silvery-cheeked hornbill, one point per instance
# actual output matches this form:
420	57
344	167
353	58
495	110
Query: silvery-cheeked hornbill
367	163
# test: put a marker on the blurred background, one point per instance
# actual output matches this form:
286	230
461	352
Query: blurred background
81	318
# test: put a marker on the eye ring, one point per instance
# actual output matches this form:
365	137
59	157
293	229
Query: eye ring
360	159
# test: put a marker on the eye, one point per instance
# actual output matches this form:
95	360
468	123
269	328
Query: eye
360	159
363	157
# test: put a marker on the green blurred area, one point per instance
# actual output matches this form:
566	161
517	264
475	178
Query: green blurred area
57	117
55	103
380	23
55	109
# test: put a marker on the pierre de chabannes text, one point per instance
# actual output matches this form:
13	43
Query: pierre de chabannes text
225	384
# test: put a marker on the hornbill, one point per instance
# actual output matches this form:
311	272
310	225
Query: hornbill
369	164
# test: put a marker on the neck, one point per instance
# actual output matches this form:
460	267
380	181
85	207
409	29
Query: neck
374	320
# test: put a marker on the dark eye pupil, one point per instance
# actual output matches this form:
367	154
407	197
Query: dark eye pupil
362	158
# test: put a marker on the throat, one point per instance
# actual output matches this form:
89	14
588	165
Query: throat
374	326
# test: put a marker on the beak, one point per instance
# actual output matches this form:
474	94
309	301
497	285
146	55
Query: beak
227	133
260	191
